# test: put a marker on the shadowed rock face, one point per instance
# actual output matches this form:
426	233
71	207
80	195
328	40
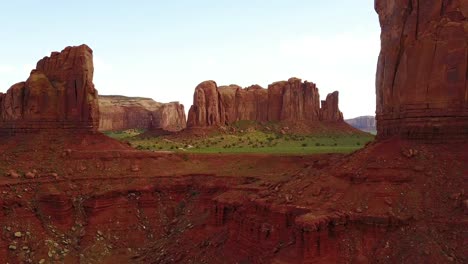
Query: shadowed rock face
121	113
329	110
290	101
59	94
422	88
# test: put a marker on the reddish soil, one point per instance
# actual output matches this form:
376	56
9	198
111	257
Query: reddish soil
90	199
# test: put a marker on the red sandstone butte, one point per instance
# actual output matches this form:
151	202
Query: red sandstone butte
121	113
422	88
206	109
59	94
329	110
291	101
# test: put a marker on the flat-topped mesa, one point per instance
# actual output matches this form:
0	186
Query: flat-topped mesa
59	94
291	101
122	113
421	85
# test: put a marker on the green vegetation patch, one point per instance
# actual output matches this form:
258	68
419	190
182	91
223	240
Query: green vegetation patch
248	142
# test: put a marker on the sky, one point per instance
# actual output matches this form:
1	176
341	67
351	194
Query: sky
164	49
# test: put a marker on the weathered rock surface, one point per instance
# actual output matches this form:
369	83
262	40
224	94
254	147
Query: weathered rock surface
206	109
121	113
329	110
291	101
364	123
422	88
59	94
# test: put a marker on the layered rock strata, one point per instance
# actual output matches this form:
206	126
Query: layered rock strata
422	88
59	94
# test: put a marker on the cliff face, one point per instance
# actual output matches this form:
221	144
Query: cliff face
121	113
422	88
59	94
329	110
206	109
289	101
364	123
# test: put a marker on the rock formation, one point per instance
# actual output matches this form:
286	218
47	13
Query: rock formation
422	88
59	94
364	123
291	101
121	113
206	109
329	110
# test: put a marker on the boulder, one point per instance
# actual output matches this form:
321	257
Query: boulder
421	84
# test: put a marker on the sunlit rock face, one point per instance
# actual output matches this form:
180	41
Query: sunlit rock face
292	101
422	88
59	94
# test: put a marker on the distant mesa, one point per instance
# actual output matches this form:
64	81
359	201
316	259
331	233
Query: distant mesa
122	113
422	87
364	123
290	102
59	94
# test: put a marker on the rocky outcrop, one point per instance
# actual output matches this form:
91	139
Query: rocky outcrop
364	123
206	109
291	101
121	113
422	88
329	110
59	94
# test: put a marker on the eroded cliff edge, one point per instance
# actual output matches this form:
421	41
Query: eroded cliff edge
59	94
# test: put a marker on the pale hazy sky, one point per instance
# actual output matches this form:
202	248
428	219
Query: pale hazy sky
163	49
